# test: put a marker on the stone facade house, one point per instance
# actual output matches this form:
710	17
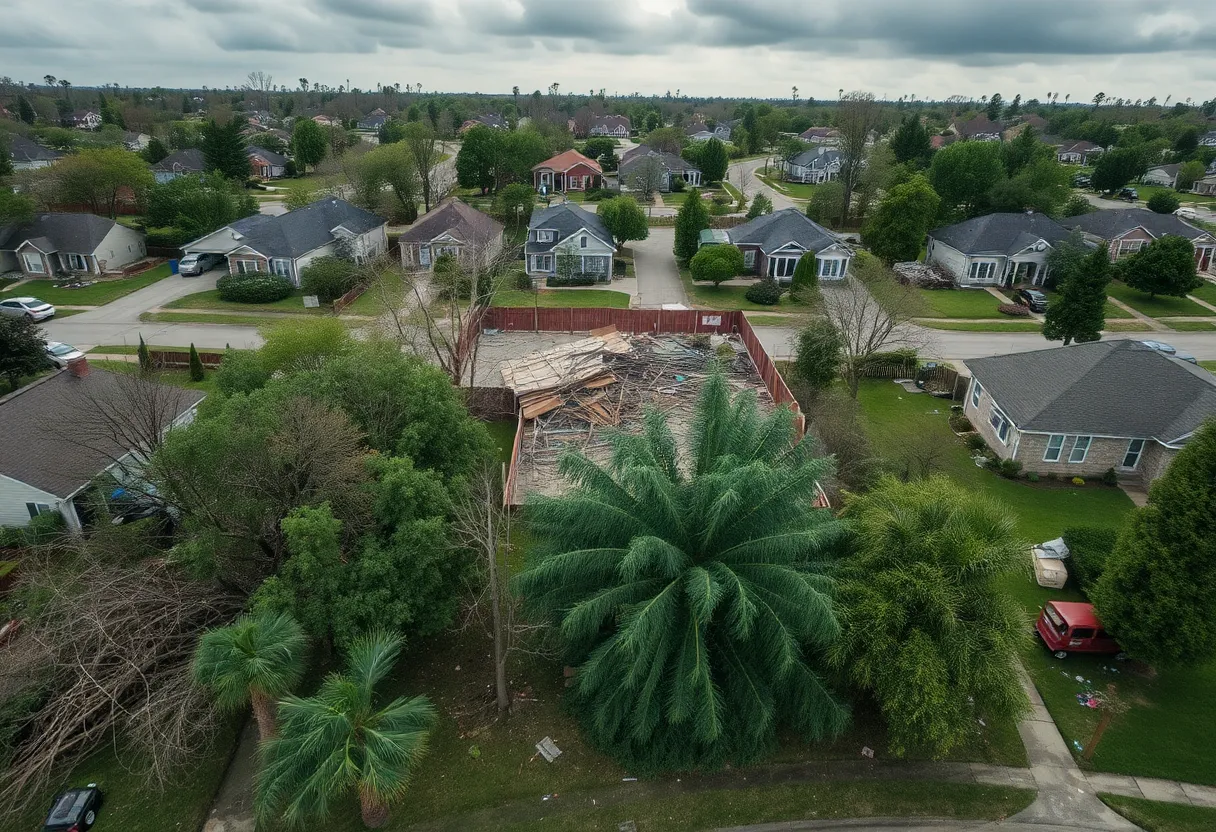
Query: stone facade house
452	227
56	245
996	249
1127	230
567	231
1081	410
773	244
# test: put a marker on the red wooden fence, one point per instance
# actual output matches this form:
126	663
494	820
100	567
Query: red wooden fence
175	358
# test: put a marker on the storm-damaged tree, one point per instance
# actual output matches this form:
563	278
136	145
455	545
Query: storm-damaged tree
857	115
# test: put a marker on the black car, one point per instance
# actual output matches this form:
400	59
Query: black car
1080	181
1033	298
1130	194
74	810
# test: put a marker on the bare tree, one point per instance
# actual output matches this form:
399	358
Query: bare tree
857	114
421	141
647	177
262	83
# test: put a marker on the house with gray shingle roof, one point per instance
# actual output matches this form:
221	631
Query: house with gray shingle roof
635	168
773	244
996	249
1127	230
455	228
29	155
55	244
1083	409
813	166
266	164
187	162
567	231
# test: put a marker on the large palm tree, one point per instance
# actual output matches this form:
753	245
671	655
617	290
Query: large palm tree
690	593
253	661
928	630
338	741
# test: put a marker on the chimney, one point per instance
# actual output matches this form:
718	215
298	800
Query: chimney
79	367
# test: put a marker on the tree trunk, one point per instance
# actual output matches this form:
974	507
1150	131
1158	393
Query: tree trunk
374	811
500	659
264	710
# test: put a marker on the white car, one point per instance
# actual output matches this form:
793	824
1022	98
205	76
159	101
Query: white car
62	354
31	308
1186	213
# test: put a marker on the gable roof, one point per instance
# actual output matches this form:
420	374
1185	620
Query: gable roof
22	149
772	231
190	159
1000	233
981	125
305	229
1112	222
816	157
78	233
567	160
611	122
1107	388
1169	170
454	217
269	155
669	161
1079	147
819	133
34	449
566	218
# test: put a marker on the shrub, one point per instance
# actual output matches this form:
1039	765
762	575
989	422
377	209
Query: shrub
717	263
619	267
975	442
1032	477
1088	549
573	280
1163	202
523	280
597	194
166	237
766	293
329	278
1016	310
1109	477
960	423
817	356
242	371
1078	481
678	184
723	199
253	288
1010	469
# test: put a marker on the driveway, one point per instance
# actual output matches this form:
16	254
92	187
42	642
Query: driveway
658	275
755	185
1202	211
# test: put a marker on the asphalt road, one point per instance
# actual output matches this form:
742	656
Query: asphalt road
1202	212
754	184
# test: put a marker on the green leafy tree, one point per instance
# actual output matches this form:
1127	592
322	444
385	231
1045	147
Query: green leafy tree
6	158
817	355
897	229
1157	594
15	208
100	178
667	140
1163	202
827	204
1165	266
1076	205
963	174
223	149
1078	312
1024	149
689	597
22	349
299	194
309	143
1118	166
911	142
760	206
805	280
329	278
252	662
717	263
624	218
995	107
691	220
1190	173
602	150
929	630
197	205
145	357
479	159
714	160
388	171
155	151
25	111
1044	186
338	743
197	373
515	203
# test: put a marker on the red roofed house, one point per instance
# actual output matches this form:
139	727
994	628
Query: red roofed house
569	171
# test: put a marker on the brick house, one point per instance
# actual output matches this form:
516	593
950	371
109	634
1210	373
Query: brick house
569	171
454	228
773	244
1084	409
1127	230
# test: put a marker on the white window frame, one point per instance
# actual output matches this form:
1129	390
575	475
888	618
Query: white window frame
982	271
544	236
582	241
977	390
282	267
1129	247
1059	448
77	262
249	267
781	267
1139	454
1001	424
831	267
35	509
1083	447
35	265
749	258
542	262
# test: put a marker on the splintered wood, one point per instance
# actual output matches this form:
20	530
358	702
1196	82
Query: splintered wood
564	365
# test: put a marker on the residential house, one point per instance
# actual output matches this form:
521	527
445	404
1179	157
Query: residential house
29	155
374	120
265	164
135	142
773	244
938	142
452	227
1208	139
567	231
814	166
1164	175
1205	186
670	165
701	136
54	245
491	120
1084	409
44	470
1030	121
84	120
700	131
979	129
827	136
286	244
326	121
568	171
1078	153
997	249
1127	230
188	162
617	127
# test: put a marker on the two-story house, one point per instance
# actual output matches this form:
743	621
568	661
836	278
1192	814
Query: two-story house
996	249
565	239
617	127
1127	230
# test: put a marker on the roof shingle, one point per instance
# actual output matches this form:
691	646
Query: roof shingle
1000	233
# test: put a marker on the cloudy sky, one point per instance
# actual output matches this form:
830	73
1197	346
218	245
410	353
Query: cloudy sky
935	48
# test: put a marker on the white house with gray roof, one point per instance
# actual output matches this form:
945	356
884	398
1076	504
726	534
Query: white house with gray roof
567	231
1083	409
773	244
814	166
53	244
29	155
997	249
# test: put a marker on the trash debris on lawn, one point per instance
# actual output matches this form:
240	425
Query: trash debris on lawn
1077	745
866	751
627	826
548	796
1089	699
629	779
548	750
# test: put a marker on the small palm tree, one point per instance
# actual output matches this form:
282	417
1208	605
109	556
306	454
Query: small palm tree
253	661
691	596
338	741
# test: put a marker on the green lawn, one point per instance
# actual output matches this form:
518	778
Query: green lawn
374	301
503	435
1208	365
178	378
1206	292
794	190
1147	191
958	303
791	321
99	294
1160	306
1112	312
211	300
205	318
983	326
1127	326
1154	816
133	349
549	298
1191	326
708	296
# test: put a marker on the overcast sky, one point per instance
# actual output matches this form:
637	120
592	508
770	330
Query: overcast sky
935	48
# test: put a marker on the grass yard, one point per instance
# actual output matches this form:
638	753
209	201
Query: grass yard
1206	292
708	296
99	294
1147	191
1112	312
794	190
206	318
983	326
1191	326
503	436
1154	816
376	299
293	303
791	321
1208	365
958	303
133	349
1160	306
178	378
1127	326
550	298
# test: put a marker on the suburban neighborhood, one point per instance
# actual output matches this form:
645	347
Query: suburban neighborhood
579	453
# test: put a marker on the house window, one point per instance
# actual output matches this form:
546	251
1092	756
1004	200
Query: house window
1080	449
77	262
544	236
282	267
749	259
37	508
1130	246
1055	445
582	242
983	272
33	263
1132	458
1000	424
831	268
542	262
977	390
248	266
779	267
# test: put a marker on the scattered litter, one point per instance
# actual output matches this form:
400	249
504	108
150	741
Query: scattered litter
627	826
1080	678
457	667
1077	745
547	796
1090	699
866	751
1110	669
981	722
548	750
629	779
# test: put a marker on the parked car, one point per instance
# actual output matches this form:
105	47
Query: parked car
1130	194
1036	300
1080	181
196	264
1186	213
1159	346
61	354
1186	356
1073	627
74	810
31	308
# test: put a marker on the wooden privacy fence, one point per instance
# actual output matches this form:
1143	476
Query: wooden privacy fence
177	358
349	298
939	378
